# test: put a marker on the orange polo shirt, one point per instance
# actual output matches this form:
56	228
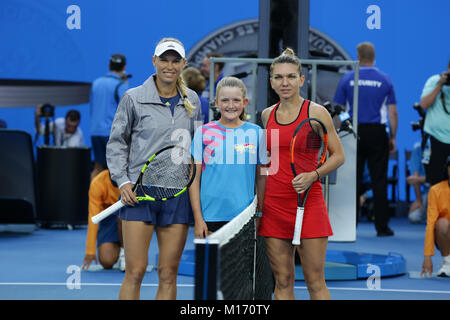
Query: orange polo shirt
102	194
438	207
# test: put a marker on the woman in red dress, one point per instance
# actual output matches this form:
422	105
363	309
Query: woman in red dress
280	202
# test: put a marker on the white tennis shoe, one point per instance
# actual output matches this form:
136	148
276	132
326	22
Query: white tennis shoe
122	260
444	271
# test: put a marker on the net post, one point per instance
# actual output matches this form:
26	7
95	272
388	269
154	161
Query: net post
206	269
255	243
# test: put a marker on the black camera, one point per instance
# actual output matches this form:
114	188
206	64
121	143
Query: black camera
47	110
334	110
419	124
126	76
337	110
344	117
447	83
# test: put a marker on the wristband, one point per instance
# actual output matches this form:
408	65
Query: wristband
258	214
318	175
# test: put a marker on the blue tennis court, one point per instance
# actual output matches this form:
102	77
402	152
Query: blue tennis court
45	265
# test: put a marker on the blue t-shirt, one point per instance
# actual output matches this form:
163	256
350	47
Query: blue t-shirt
375	92
103	104
229	158
205	108
171	102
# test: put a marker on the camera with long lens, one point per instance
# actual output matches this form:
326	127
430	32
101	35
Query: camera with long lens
419	124
47	110
343	115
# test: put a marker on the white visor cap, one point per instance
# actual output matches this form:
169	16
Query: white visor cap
169	45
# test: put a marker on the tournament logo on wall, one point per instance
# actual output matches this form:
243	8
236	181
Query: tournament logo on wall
240	39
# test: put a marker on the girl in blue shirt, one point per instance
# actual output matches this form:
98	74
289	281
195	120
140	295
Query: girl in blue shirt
228	155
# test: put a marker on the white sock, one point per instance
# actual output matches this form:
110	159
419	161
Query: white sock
122	252
446	259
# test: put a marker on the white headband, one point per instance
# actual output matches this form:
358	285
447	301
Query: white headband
169	45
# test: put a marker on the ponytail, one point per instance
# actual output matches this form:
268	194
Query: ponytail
184	92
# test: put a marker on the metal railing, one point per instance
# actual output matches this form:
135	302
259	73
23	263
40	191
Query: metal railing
314	63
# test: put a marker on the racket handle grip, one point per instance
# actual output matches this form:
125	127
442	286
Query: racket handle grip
298	227
107	212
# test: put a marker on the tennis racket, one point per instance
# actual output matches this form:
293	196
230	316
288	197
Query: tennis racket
166	175
308	152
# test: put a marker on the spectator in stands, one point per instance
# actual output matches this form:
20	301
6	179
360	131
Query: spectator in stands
3	124
205	69
436	101
66	131
106	236
106	93
376	100
197	82
438	225
418	209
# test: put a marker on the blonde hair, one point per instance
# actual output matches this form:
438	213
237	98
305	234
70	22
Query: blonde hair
233	82
288	56
181	85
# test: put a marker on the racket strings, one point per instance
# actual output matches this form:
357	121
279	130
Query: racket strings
167	174
308	148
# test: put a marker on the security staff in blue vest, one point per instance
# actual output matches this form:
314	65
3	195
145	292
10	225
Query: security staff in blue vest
106	93
376	108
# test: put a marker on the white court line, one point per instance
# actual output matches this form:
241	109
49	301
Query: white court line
385	290
93	284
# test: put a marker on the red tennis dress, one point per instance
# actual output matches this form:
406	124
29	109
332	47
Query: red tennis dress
280	201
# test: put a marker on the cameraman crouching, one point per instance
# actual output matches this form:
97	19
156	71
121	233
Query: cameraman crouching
66	132
435	100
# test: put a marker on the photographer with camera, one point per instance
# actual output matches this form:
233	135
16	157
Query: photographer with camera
376	101
435	100
66	131
106	93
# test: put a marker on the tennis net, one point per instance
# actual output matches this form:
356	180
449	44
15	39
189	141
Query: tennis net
232	263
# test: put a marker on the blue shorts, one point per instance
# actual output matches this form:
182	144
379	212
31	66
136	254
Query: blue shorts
108	230
99	148
213	226
160	213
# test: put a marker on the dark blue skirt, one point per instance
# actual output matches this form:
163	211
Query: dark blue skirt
160	213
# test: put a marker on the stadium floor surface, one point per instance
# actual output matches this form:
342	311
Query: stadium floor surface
41	265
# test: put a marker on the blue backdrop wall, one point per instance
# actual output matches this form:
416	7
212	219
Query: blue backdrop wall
39	41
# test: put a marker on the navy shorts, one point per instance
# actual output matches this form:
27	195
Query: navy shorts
99	148
108	230
215	225
160	213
